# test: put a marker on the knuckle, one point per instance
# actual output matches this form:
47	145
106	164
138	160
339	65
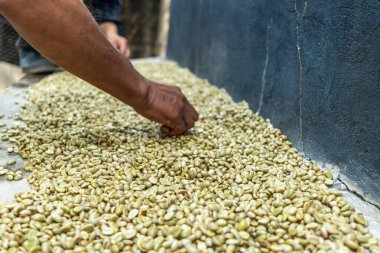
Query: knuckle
179	101
181	105
174	116
178	114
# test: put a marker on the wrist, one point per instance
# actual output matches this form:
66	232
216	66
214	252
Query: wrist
108	27
142	94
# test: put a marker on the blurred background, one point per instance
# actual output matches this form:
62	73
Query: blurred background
145	24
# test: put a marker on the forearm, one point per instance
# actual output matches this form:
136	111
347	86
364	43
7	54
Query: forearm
72	40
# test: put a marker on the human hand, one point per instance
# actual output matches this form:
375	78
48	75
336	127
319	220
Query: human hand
168	106
109	30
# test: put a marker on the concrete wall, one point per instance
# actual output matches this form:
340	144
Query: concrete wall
312	67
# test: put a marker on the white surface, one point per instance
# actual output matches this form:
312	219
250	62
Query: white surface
8	74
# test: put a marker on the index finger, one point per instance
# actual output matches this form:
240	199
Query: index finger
191	110
122	47
180	128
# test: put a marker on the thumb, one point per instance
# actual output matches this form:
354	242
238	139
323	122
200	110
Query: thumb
165	130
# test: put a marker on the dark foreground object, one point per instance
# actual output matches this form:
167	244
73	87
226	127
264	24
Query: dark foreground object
313	68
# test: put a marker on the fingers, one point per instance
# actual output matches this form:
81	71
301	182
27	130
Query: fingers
179	126
168	106
121	44
189	120
186	117
127	52
190	115
168	131
127	49
165	130
184	121
124	48
191	111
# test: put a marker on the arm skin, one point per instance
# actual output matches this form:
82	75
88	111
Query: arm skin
65	32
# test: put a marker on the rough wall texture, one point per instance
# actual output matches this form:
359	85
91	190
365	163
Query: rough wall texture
312	67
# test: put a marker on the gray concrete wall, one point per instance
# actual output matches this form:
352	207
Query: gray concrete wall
312	67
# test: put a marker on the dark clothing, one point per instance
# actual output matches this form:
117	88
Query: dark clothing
107	10
102	10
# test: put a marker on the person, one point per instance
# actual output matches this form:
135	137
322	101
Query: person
107	14
73	41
